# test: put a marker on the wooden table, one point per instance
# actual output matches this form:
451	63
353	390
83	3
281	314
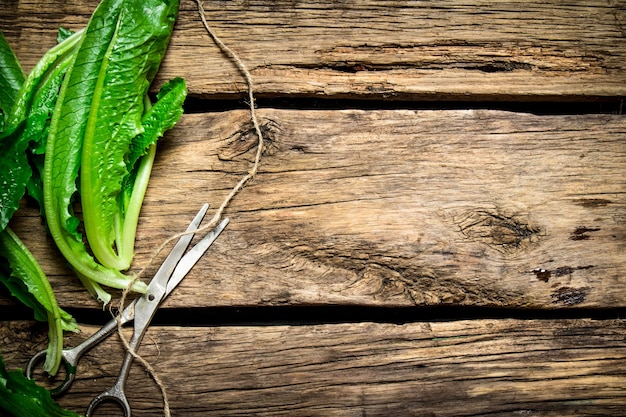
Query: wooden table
438	227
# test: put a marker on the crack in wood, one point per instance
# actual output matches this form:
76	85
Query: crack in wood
485	56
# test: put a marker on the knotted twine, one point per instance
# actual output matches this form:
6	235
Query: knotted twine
218	214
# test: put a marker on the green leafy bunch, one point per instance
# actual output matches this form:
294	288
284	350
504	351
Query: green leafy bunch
81	129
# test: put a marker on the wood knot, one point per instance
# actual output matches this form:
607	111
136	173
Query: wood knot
245	140
507	233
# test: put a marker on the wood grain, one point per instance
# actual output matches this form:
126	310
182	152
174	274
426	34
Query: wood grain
375	208
479	50
464	368
393	208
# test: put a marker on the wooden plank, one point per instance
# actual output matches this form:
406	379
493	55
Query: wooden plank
393	208
479	50
466	368
8	18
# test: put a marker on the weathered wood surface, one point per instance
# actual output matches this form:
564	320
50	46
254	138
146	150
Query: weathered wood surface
377	208
419	50
394	208
463	368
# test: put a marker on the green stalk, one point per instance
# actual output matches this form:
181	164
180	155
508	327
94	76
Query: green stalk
128	225
95	290
25	268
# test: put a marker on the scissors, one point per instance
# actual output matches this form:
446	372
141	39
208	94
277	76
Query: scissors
142	310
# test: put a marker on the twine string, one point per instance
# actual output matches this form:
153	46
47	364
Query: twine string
216	217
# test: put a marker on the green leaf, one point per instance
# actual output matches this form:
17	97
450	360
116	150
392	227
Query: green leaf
15	171
29	103
64	34
22	397
161	117
37	125
11	79
19	290
27	125
27	281
39	115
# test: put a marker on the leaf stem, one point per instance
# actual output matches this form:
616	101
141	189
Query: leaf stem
129	222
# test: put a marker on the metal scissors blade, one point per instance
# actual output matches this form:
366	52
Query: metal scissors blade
168	265
193	256
174	269
159	281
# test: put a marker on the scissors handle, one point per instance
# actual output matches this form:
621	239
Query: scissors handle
114	394
70	372
117	392
70	357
